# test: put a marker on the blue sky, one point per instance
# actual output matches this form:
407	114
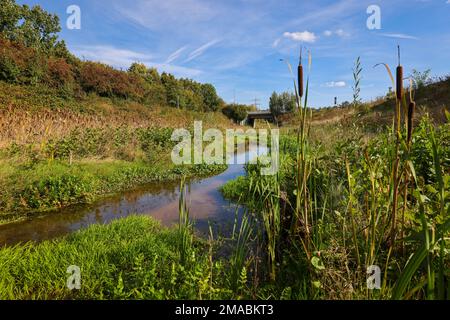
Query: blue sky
237	45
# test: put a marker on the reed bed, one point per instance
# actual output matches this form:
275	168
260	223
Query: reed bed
331	215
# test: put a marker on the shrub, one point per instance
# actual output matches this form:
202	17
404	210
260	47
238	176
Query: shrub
108	82
237	112
20	64
56	192
9	70
59	74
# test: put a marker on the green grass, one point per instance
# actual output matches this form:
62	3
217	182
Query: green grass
133	258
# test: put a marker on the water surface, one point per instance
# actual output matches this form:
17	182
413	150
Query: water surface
205	202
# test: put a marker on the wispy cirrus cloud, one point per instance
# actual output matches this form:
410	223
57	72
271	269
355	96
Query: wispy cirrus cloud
341	10
123	58
199	51
163	15
175	55
399	36
117	57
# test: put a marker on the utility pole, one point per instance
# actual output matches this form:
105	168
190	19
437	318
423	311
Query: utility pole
256	103
335	101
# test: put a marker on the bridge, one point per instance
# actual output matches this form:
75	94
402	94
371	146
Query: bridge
254	115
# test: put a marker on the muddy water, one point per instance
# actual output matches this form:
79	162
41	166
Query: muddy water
160	201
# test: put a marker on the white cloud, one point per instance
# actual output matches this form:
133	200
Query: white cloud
304	36
341	33
199	51
338	32
335	84
399	36
174	56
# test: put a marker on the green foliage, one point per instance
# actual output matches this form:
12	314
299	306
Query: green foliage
420	78
121	260
210	97
282	103
20	64
32	27
56	191
10	14
191	95
237	112
108	82
9	70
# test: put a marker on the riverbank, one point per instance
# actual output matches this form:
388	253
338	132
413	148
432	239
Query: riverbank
132	258
84	166
50	187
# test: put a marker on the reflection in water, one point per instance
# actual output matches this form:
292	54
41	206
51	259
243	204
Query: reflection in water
160	201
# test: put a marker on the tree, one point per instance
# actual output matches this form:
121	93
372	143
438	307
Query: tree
275	104
210	97
237	112
420	79
150	75
281	103
10	15
173	91
34	27
289	101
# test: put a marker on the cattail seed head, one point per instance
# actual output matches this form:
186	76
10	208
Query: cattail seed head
300	80
411	110
399	82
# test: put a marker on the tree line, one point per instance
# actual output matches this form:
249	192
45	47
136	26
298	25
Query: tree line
32	54
284	102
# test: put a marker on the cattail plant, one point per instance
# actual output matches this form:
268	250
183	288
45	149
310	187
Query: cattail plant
396	172
396	177
399	78
300	76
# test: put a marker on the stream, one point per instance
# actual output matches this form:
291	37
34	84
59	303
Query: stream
158	200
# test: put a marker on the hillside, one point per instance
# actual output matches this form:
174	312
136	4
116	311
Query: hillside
432	99
31	114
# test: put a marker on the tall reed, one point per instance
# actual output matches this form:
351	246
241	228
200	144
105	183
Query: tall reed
185	232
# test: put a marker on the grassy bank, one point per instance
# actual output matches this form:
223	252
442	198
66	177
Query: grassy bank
133	258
